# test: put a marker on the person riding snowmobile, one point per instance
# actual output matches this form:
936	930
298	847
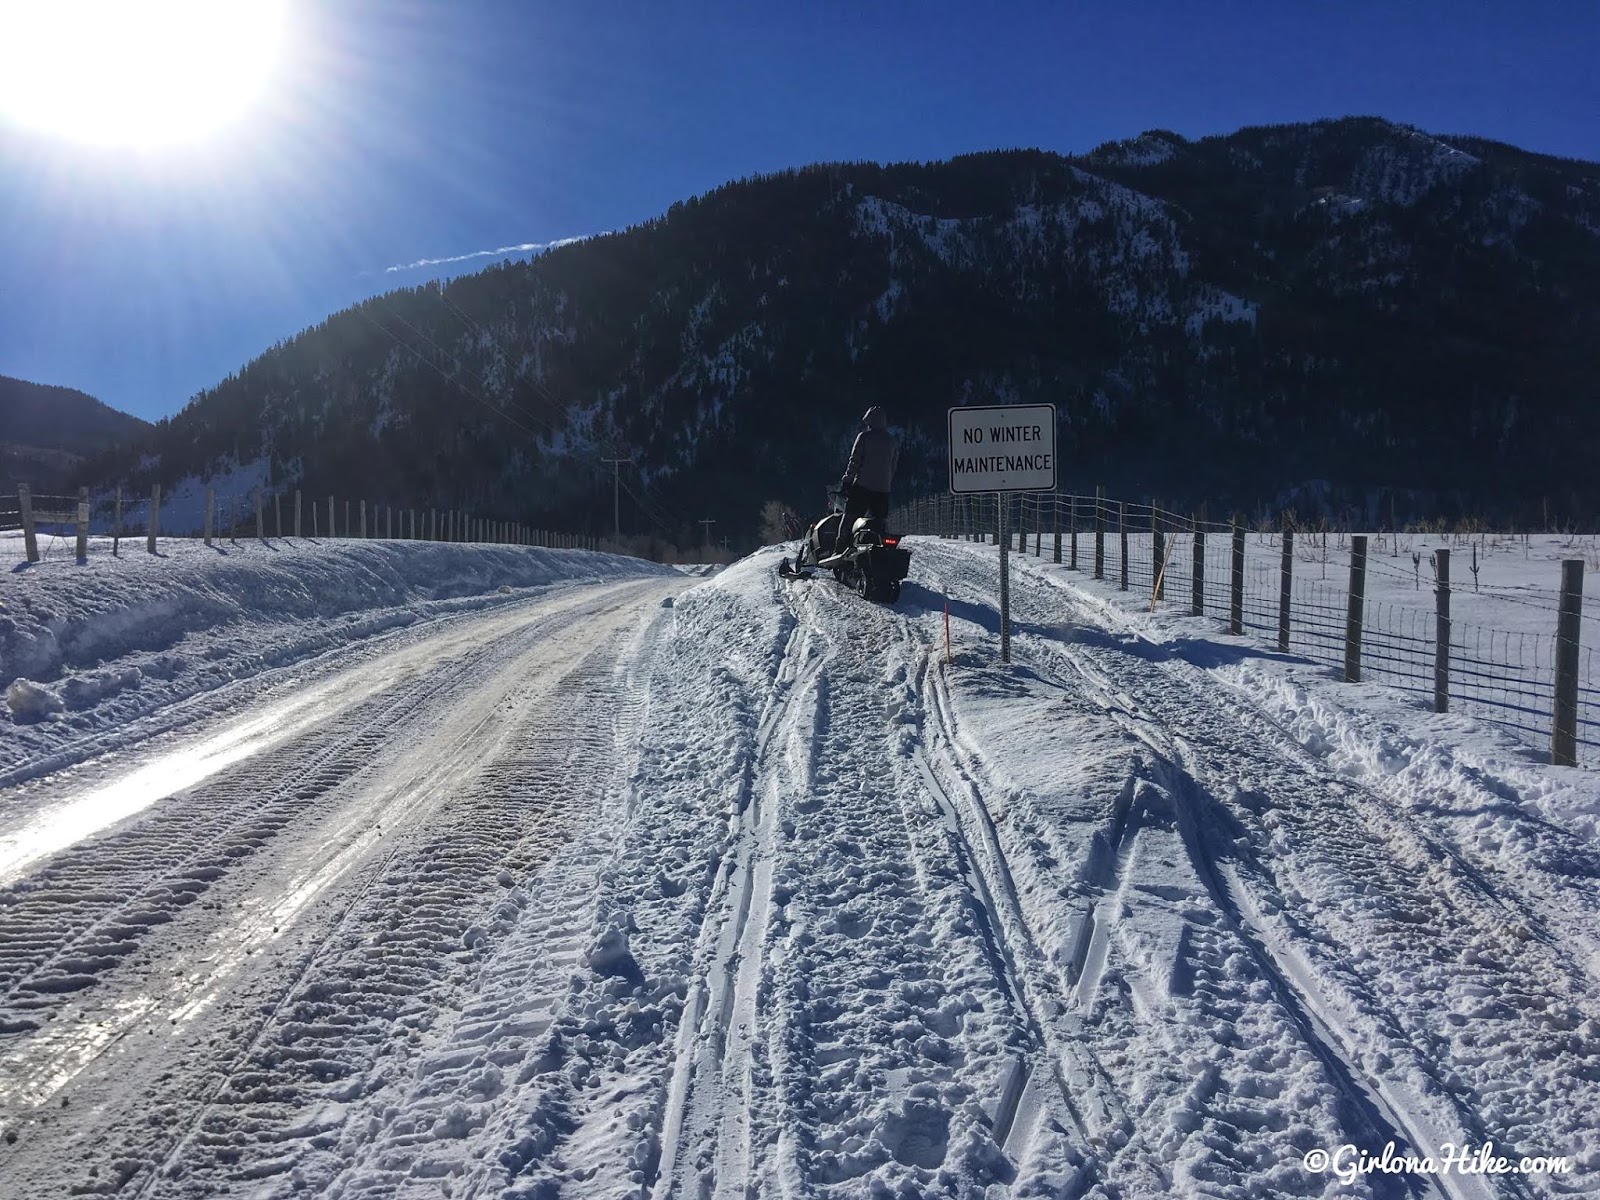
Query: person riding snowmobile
869	473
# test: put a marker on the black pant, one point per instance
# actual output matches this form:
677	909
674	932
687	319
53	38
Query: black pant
861	502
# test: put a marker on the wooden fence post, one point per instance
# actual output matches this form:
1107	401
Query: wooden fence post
1156	547
363	519
1197	589
205	522
155	517
1099	532
315	533
1122	538
1072	518
233	519
1055	512
332	524
1285	589
1236	582
1158	558
297	512
1355	612
261	524
1564	728
116	525
1441	644
83	524
277	514
347	525
30	537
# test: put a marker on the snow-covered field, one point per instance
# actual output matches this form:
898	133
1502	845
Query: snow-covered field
626	882
1503	617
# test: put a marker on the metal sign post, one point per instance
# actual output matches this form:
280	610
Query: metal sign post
1004	501
1003	449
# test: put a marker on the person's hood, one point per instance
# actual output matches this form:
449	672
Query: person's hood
875	418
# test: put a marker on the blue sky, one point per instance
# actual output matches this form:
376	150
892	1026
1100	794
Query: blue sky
401	130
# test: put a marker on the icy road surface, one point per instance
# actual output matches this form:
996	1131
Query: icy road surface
668	887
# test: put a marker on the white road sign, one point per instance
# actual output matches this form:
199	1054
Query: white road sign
1003	449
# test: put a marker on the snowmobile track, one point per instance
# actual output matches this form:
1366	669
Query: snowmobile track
1388	1110
708	1095
1078	1081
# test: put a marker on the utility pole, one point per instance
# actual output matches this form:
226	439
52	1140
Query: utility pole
706	523
616	496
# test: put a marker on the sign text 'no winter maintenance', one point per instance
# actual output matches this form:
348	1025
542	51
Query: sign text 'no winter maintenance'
1009	449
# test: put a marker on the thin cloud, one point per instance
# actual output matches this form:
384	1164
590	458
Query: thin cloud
522	248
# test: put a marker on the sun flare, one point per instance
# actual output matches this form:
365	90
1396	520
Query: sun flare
135	72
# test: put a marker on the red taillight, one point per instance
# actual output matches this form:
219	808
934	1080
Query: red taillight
889	541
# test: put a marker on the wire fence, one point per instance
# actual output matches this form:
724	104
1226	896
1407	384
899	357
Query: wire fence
1293	591
80	525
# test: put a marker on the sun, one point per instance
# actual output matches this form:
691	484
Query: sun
135	72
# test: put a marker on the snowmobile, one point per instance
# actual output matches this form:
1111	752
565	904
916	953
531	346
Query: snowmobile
870	560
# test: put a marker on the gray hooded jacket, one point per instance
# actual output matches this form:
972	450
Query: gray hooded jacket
872	458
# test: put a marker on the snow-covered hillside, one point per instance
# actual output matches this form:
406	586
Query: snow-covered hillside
652	885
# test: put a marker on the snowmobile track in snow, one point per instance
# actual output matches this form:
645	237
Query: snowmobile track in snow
709	1090
1190	765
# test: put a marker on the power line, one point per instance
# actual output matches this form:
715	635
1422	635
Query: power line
663	520
616	494
423	359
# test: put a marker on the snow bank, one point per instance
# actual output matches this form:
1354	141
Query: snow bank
85	646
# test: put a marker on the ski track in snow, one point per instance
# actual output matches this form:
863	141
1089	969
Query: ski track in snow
757	896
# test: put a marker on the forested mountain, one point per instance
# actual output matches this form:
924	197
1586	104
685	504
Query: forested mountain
1350	301
46	432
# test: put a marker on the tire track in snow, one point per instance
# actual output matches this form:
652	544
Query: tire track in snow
1373	1115
452	866
1169	920
710	1091
1090	1095
1069	1073
1385	1104
453	1108
93	906
1559	857
1380	900
142	880
894	964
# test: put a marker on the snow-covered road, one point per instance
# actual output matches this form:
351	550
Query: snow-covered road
666	887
